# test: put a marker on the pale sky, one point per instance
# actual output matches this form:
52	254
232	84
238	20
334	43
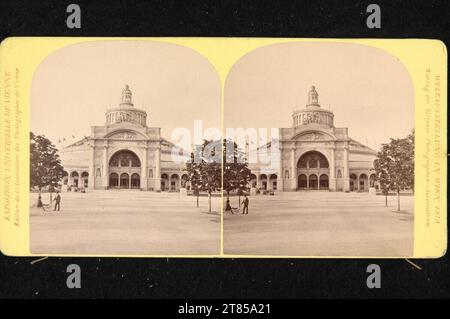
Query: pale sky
369	91
74	86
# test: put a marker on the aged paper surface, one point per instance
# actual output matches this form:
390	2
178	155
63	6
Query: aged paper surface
309	118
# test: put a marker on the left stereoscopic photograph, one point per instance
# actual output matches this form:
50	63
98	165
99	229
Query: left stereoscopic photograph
112	140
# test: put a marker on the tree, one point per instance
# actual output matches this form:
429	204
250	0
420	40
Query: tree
236	174
382	171
409	150
205	168
45	166
193	172
394	166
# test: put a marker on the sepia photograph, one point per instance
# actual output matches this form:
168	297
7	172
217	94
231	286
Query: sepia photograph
327	137
224	158
110	147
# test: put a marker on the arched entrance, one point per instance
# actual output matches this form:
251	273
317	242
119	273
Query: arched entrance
184	181
273	182
353	182
164	182
113	180
363	183
263	181
372	181
174	183
302	181
75	179
323	181
124	181
65	178
135	181
253	181
125	169
84	180
313	184
310	166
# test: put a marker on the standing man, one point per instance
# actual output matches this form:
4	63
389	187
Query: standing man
245	202
57	201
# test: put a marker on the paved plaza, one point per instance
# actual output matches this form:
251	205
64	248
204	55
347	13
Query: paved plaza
321	223
126	222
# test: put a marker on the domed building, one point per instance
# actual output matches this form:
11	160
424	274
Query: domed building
316	155
124	153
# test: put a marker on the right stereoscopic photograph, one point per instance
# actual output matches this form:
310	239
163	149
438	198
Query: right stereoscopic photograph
325	134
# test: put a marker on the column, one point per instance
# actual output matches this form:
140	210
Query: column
346	172
91	178
332	185
144	169
280	176
158	167
80	180
69	178
105	176
293	170
257	180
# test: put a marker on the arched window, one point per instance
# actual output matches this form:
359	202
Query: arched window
313	159
125	158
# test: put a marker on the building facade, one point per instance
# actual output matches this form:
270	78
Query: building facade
316	155
124	153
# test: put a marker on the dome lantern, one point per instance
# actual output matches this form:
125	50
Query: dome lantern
313	97
126	97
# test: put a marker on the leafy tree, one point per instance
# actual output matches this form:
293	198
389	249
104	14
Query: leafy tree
381	166
409	150
45	166
394	166
236	174
205	168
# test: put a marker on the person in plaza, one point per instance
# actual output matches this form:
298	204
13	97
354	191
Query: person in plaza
57	201
245	203
40	204
228	208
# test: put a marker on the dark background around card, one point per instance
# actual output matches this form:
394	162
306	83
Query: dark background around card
222	278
